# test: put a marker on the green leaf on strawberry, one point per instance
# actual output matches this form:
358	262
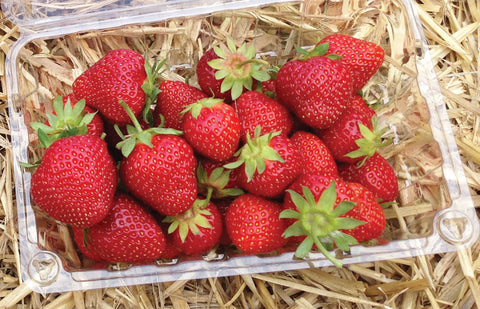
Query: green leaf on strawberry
150	87
137	134
67	121
371	141
320	221
254	153
238	68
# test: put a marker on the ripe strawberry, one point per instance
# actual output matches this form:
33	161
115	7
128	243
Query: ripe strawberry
159	168
216	182
364	58
84	244
318	216
253	224
224	72
76	180
212	128
256	109
121	74
69	117
128	234
268	164
314	155
368	210
316	87
376	174
197	230
354	136
174	96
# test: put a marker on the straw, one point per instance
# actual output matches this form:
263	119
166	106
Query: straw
448	280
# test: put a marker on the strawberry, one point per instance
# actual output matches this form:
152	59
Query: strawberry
317	211
69	117
256	109
253	224
224	72
316	87
76	180
212	128
121	74
268	164
84	244
128	234
368	210
363	57
314	155
354	136
159	167
197	230
376	174
216	182
174	96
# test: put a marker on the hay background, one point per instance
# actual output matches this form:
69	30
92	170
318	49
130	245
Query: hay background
448	280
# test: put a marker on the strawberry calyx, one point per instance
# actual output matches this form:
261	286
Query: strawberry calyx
135	133
67	121
321	222
371	141
150	87
318	50
196	108
190	220
214	185
255	153
238	67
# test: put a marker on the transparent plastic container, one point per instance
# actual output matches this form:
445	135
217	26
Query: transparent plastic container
60	39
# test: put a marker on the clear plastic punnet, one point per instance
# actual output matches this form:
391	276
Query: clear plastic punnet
59	40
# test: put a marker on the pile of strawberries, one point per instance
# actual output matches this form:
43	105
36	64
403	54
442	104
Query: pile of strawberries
256	157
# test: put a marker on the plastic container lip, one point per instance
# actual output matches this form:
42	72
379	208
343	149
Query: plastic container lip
56	20
455	227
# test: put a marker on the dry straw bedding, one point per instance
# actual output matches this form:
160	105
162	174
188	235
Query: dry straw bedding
433	281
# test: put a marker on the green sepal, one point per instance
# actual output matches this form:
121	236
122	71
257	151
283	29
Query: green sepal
150	86
255	152
67	121
319	221
136	134
190	220
370	142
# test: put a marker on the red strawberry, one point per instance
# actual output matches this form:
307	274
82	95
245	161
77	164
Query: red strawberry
212	128
215	181
159	168
364	58
76	180
128	234
174	96
376	174
316	88
224	72
368	210
69	117
253	224
256	109
317	212
84	244
354	136
268	164
122	74
222	206
315	157
197	230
